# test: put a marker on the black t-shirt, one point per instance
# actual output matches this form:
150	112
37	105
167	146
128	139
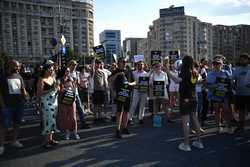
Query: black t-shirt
11	87
187	88
122	79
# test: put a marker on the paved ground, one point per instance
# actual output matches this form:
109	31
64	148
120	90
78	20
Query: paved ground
145	146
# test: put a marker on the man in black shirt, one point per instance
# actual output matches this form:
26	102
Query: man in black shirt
14	94
122	81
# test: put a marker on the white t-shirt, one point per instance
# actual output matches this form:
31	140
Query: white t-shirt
162	76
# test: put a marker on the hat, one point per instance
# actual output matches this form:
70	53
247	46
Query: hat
218	60
73	62
49	62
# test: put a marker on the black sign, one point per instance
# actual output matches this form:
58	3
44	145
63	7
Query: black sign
174	54
223	85
124	94
155	57
100	51
159	88
143	84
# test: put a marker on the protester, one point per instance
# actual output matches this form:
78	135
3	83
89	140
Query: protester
140	91
158	84
242	90
188	79
14	93
100	87
122	80
47	91
219	84
84	88
75	76
66	117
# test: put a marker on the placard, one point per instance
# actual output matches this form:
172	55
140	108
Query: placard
223	85
123	94
99	50
158	88
155	57
143	84
138	58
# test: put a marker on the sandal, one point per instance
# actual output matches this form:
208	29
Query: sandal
54	142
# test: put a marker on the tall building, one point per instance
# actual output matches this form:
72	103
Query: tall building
130	46
111	40
143	49
231	41
27	27
176	31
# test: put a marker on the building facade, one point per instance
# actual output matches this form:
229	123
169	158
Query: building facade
176	31
27	27
130	46
231	41
111	40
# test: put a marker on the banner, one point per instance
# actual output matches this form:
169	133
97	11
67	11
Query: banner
143	84
158	88
155	57
138	58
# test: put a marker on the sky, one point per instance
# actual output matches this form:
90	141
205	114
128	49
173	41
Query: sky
133	17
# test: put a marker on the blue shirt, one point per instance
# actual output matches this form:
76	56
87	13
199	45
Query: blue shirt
240	76
219	84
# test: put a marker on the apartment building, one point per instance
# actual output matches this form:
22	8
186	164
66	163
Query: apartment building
27	27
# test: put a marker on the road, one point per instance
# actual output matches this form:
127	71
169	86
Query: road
145	146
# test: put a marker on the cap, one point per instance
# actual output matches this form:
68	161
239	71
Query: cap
218	60
73	62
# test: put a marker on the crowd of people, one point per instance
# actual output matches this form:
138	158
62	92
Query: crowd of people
198	89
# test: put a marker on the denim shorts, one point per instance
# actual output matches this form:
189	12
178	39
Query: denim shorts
12	115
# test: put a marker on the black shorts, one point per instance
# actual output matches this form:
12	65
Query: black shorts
187	107
122	107
98	97
243	103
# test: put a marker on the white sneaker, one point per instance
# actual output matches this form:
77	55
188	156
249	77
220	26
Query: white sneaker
77	137
198	144
184	147
1	150
67	136
17	144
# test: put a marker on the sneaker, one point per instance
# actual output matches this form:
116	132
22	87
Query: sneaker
198	144
184	147
1	150
118	134
17	144
202	130
125	131
221	130
77	137
67	136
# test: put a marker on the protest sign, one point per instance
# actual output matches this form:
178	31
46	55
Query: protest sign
155	57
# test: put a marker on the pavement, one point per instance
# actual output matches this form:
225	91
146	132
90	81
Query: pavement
146	146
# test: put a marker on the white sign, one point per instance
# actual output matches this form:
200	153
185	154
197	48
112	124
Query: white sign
115	57
63	40
138	58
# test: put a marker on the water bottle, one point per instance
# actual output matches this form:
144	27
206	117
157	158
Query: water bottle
157	122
